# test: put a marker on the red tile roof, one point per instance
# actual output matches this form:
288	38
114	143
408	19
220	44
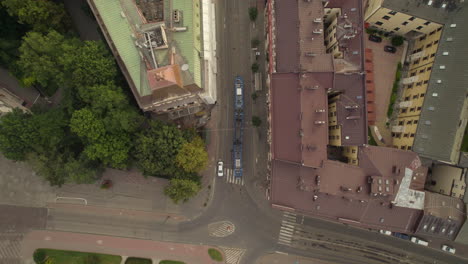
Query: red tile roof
287	36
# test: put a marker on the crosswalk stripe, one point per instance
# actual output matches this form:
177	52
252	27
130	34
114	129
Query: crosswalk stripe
286	232
290	217
287	228
289	213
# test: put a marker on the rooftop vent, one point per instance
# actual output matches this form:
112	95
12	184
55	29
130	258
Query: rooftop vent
439	81
319	122
431	108
122	14
353	9
320	111
442	67
429	3
318	20
444	5
453	25
427	122
318	31
310	54
445	53
449	39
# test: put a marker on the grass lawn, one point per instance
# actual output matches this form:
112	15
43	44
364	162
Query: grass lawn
393	95
75	257
371	141
464	145
133	260
171	262
215	254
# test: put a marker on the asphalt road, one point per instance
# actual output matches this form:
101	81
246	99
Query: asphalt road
257	226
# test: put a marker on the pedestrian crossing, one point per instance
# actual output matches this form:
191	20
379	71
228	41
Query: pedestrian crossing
233	255
231	179
10	248
288	226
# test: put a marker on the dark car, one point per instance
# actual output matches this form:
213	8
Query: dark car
375	38
390	49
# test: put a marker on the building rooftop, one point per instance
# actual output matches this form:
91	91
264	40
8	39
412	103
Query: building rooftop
351	108
443	216
342	192
441	128
287	36
153	36
436	11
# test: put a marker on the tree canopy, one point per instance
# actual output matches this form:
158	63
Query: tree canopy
40	14
181	189
192	157
16	134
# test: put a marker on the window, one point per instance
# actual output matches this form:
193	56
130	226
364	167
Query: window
419	28
429	45
408	122
412	109
419	84
402	147
379	23
415	96
432	33
419	108
422	38
407	98
412	134
400	123
427	23
432	55
435	42
396	29
429	68
426	81
415	122
416	61
404	110
426	58
353	151
439	29
386	17
410	86
408	148
412	74
421	95
423	70
392	13
411	18
406	135
405	23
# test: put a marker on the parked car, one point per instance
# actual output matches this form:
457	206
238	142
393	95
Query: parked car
375	38
220	169
402	236
385	232
390	49
419	241
448	249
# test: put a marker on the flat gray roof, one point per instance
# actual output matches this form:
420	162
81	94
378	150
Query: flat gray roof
420	8
441	113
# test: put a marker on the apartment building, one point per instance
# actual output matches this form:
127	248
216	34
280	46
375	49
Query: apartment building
447	180
383	15
420	60
9	101
163	53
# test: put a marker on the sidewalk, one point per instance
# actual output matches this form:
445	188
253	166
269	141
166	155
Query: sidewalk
280	258
126	247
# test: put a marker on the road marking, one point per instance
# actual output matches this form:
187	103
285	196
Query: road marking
230	178
221	229
233	255
287	230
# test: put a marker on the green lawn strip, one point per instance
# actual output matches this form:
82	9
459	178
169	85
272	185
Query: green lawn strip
76	257
393	95
215	254
370	140
133	260
171	262
464	146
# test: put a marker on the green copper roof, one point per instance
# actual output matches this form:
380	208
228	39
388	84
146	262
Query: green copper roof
121	32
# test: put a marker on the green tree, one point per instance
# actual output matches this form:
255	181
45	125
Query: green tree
102	98
112	150
397	41
192	157
255	67
90	65
256	121
16	134
181	189
42	15
253	13
49	130
81	170
156	149
87	125
255	42
39	255
40	59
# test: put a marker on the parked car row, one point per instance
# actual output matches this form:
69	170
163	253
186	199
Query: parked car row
417	240
378	39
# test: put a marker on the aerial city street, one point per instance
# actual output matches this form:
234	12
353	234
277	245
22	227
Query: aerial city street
233	131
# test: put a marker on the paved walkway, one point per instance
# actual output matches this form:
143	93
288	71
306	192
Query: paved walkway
193	254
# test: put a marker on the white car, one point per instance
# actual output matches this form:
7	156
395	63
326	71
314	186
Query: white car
385	232
419	241
448	249
220	169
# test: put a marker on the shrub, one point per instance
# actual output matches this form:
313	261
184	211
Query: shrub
255	67
371	31
39	256
397	40
255	42
215	254
133	260
253	13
